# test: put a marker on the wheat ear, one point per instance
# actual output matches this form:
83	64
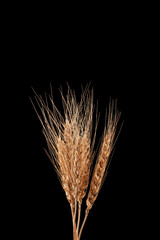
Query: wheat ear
70	148
102	163
69	144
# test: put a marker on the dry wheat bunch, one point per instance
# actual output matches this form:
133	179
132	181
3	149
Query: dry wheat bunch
70	140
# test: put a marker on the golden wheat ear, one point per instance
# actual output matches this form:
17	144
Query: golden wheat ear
102	162
70	147
70	141
103	158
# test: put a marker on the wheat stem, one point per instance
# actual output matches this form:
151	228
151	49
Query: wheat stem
82	226
72	220
79	216
75	236
75	210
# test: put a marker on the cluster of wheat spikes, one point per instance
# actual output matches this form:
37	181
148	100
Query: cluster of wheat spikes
70	139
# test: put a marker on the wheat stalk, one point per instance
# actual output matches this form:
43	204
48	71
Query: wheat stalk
70	148
102	163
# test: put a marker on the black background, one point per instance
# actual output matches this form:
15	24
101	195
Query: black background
116	66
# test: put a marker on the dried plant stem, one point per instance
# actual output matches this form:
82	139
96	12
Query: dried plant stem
75	214
79	216
75	236
73	223
82	226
